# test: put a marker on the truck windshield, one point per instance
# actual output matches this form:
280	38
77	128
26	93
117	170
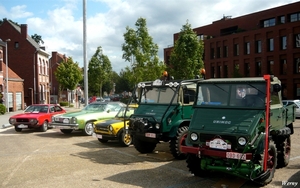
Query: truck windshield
158	95
233	94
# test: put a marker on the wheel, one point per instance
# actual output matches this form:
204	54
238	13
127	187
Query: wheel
284	152
44	127
125	139
142	146
66	131
18	129
88	129
271	163
102	140
175	143
194	165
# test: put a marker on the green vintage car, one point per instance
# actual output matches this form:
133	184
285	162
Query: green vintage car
113	129
83	120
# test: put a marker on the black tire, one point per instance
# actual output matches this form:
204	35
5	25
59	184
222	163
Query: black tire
88	129
284	151
17	129
125	139
66	131
194	165
142	146
102	140
44	127
175	143
271	163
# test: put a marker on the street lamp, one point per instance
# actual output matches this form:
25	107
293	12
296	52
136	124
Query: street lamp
6	62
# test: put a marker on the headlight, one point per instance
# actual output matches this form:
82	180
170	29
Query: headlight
33	121
74	120
12	120
157	125
66	120
194	136
242	141
169	120
110	128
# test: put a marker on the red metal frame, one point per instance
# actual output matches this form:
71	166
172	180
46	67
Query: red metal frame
266	153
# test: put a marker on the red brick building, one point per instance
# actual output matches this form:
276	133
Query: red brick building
28	60
265	42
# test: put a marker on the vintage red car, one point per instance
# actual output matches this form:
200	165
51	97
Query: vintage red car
36	116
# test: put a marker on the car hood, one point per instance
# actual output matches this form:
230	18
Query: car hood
106	123
28	115
82	113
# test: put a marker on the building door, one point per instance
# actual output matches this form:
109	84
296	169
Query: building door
19	100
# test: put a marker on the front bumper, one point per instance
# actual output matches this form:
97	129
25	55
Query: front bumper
26	125
64	126
105	136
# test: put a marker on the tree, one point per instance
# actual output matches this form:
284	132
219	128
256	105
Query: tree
140	50
68	74
37	38
186	56
99	72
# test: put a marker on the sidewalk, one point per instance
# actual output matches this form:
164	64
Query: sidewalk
5	117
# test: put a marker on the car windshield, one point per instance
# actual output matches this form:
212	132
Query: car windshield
159	95
121	112
231	95
95	107
37	109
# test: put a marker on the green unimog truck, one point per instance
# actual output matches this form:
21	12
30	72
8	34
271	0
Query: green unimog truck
163	114
240	127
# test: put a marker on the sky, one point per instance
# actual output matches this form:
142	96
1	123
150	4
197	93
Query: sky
60	22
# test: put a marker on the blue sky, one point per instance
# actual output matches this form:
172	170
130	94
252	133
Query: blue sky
59	22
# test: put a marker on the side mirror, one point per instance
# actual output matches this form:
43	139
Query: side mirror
276	87
186	99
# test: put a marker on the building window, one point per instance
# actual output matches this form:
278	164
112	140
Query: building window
271	45
218	52
200	37
258	46
269	22
258	68
297	65
283	67
16	44
247	69
247	48
212	69
225	51
297	40
281	19
295	17
271	66
212	53
236	50
283	42
225	71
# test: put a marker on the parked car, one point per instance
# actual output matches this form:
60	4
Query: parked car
113	129
36	116
106	98
83	120
297	104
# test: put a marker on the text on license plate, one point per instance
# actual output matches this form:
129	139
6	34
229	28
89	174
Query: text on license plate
233	155
150	135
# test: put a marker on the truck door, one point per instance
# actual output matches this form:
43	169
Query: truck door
277	115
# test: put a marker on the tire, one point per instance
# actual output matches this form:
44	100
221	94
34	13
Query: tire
102	140
125	139
271	163
44	127
66	131
175	143
194	165
142	146
88	129
284	152
17	129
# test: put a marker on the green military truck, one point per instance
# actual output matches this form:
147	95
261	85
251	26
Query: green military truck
163	114
240	127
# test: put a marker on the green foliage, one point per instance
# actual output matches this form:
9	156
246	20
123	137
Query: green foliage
186	57
2	109
37	38
64	103
124	83
99	72
140	50
68	74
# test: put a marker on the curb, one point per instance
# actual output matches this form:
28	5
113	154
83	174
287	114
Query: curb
6	125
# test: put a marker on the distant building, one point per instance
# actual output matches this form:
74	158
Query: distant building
265	42
29	60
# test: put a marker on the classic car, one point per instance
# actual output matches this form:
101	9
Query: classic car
36	116
113	129
83	120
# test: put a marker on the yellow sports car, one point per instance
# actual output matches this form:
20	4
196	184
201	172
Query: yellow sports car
113	129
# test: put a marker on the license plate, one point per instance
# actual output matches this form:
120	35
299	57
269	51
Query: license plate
22	126
60	127
218	143
99	136
233	155
150	135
